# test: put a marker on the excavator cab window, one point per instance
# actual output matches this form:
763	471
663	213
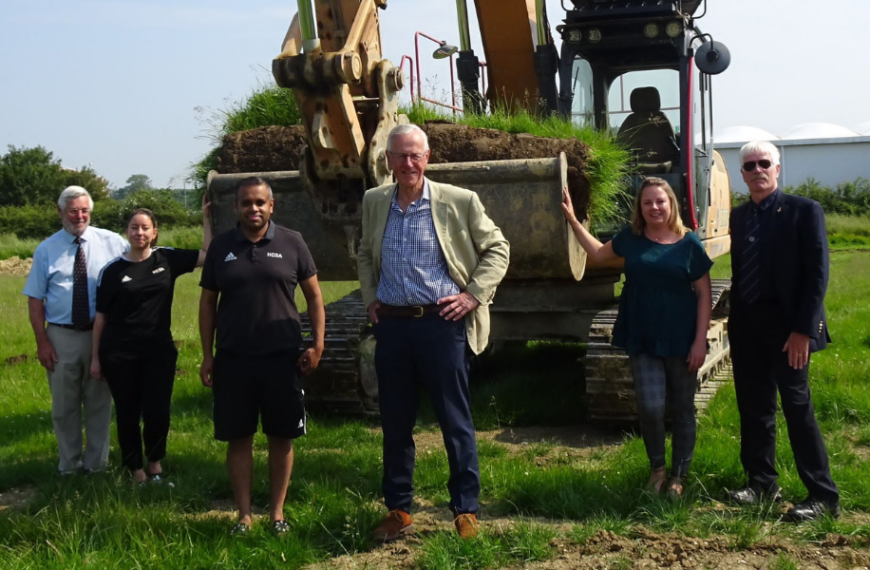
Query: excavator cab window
583	103
643	108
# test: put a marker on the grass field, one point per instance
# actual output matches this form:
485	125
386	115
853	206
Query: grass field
555	495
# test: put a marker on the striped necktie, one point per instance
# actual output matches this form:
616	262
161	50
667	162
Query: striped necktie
750	270
81	309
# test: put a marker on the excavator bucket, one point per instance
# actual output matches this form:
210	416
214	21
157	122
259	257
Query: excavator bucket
293	209
521	196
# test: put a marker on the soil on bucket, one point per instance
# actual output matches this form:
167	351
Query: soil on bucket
271	149
266	149
460	143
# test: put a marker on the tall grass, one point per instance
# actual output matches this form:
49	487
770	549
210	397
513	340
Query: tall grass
11	246
265	106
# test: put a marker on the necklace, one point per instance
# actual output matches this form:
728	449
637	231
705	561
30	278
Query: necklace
661	240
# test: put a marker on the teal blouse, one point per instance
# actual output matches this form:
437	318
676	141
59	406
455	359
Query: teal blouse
658	308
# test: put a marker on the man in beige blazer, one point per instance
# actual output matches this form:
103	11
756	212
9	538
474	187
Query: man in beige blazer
429	262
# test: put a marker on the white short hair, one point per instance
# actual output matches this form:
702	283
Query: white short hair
408	129
71	193
763	147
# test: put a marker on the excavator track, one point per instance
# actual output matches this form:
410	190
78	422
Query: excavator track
609	384
345	380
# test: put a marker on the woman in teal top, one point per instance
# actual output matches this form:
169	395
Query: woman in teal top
664	313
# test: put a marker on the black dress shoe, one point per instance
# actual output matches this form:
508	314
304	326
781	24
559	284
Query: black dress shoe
752	496
811	509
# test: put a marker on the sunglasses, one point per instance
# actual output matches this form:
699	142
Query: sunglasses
749	166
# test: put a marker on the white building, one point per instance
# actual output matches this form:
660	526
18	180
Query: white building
829	153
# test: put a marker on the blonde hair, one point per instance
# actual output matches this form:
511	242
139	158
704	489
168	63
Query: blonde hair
675	222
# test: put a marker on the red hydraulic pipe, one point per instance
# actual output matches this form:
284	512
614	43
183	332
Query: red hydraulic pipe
410	73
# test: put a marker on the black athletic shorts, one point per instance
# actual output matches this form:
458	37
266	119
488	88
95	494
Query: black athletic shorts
249	388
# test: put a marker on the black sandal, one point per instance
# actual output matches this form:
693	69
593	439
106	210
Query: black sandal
241	529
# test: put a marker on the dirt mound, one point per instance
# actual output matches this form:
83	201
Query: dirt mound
15	266
261	150
460	143
278	148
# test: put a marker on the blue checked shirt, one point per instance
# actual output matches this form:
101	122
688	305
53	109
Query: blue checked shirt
413	268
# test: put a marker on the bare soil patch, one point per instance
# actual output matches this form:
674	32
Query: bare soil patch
13	360
574	440
643	550
16	499
15	266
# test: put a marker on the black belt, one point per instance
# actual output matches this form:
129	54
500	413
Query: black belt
414	311
87	327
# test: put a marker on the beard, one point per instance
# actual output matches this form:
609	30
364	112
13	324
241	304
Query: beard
76	231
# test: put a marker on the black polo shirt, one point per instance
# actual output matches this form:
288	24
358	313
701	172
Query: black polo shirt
256	313
136	299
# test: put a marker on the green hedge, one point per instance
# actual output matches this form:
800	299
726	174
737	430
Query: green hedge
40	221
847	198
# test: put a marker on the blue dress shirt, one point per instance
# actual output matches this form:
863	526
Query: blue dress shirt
413	268
51	276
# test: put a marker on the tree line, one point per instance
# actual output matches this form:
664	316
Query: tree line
31	180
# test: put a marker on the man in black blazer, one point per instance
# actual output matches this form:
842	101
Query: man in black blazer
779	266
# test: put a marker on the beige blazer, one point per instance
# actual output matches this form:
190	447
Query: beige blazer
477	253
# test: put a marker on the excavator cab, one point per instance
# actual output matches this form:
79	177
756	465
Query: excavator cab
643	70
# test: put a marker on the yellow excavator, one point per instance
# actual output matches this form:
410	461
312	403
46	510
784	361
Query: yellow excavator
639	68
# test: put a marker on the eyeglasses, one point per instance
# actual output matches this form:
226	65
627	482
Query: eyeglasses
77	211
749	166
415	157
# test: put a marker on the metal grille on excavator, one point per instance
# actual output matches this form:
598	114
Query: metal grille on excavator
609	385
602	8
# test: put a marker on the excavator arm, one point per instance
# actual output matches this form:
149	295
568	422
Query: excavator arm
348	96
521	60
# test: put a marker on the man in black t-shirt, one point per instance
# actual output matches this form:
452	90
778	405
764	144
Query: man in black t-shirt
248	285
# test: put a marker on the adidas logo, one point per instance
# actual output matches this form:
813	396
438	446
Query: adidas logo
159	270
230	257
126	278
301	424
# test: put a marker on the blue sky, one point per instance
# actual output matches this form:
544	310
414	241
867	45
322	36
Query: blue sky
117	84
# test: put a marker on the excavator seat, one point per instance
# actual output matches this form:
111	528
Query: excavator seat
649	133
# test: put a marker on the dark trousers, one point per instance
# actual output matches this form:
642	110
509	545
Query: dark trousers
142	389
432	352
760	369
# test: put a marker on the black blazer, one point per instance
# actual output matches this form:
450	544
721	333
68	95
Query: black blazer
794	263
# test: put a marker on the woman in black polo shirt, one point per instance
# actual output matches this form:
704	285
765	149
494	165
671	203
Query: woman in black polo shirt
132	344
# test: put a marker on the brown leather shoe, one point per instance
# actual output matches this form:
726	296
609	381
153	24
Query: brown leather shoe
396	524
466	525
